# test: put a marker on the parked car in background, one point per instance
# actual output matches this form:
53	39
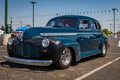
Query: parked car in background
64	40
1	32
1	36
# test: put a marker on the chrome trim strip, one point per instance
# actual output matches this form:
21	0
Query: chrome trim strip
63	34
29	61
57	34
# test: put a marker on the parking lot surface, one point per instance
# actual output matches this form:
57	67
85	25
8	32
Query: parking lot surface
12	71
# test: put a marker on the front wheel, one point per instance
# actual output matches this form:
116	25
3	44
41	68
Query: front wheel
104	50
65	59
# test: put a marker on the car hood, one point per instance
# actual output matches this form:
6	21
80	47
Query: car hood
44	31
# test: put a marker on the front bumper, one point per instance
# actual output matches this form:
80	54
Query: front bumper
29	61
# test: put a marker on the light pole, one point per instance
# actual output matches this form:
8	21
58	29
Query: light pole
118	27
114	9
110	28
20	23
11	21
6	16
57	14
33	3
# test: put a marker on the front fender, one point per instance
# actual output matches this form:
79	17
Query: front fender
71	43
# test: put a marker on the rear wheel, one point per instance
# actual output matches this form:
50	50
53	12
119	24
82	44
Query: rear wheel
104	50
65	59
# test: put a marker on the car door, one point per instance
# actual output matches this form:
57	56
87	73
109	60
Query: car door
85	38
89	37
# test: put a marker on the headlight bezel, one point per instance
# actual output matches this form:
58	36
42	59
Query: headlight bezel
45	42
10	41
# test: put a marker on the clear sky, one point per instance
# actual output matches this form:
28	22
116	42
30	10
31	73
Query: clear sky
21	10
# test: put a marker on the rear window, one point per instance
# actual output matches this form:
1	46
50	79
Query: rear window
95	25
63	22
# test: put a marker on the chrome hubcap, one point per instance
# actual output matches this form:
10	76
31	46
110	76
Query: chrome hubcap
66	56
104	49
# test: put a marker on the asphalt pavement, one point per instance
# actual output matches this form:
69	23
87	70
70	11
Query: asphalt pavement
92	68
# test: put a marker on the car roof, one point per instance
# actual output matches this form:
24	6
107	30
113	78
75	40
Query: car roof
75	16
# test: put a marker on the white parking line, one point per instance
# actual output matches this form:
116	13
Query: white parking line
97	69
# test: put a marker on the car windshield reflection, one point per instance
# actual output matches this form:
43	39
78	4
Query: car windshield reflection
63	22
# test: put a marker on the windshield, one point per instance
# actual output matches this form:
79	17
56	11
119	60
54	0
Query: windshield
63	22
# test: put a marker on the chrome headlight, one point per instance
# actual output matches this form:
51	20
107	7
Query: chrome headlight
45	42
10	41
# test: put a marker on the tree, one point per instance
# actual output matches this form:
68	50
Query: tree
106	32
2	28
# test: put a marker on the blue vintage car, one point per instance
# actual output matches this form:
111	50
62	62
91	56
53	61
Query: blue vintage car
64	40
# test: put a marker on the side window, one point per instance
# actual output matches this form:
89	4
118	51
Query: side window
93	25
84	24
